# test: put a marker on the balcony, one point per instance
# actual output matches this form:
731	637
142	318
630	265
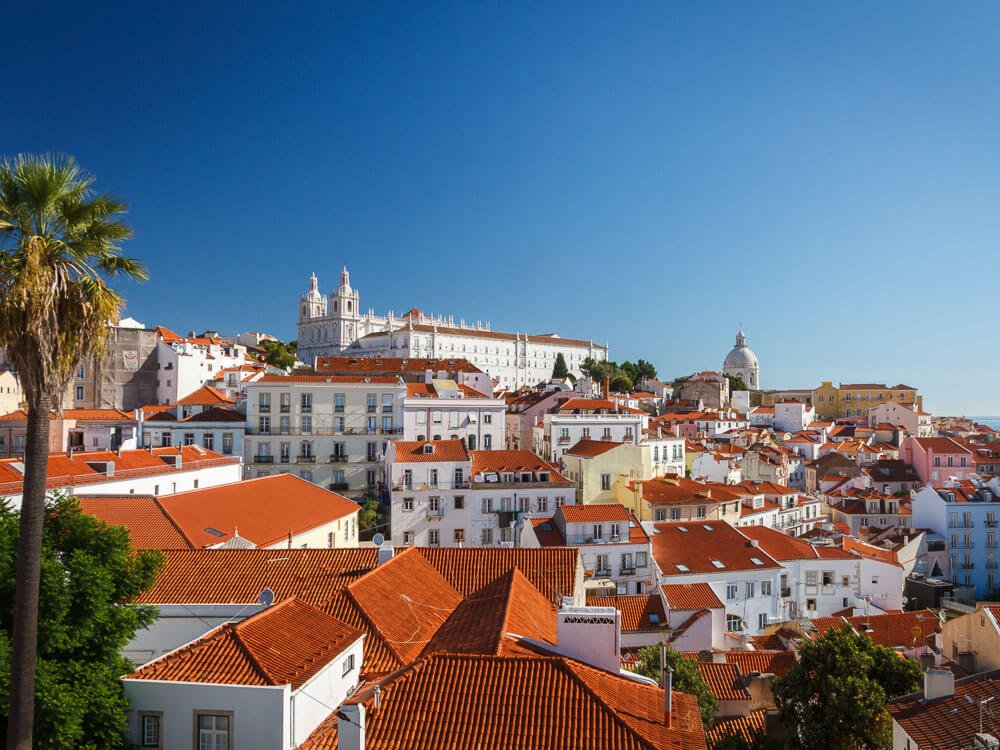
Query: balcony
307	408
991	564
338	458
285	408
305	459
602	573
339	486
968	565
627	571
786	592
435	515
991	523
264	408
563	440
961	525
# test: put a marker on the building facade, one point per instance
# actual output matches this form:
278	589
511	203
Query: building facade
334	324
741	362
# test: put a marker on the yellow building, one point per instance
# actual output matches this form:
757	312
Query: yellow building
855	399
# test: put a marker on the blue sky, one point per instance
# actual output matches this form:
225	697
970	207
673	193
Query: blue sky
650	175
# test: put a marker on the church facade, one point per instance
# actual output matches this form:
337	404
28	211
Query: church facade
741	362
333	325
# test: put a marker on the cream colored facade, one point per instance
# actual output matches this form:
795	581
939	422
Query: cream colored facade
11	395
604	478
973	640
855	399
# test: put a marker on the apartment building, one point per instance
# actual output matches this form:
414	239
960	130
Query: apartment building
937	459
332	430
602	468
585	419
445	409
444	495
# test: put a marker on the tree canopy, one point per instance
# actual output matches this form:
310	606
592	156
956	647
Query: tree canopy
687	678
736	383
835	694
90	577
279	354
559	369
623	377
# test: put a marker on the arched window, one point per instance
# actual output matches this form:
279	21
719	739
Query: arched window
335	306
348	307
472	442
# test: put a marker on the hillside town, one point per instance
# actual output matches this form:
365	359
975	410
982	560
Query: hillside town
406	528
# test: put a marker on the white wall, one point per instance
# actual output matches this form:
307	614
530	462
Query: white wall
177	624
310	704
260	719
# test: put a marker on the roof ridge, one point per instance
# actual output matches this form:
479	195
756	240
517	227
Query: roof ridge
170	519
237	633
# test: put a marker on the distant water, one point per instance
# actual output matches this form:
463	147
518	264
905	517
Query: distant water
993	422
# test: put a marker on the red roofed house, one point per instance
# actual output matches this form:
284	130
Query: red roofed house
948	713
155	471
604	469
444	495
74	430
266	682
582	418
187	363
277	512
937	459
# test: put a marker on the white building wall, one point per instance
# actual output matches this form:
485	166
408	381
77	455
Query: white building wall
178	624
480	423
310	704
563	431
749	609
260	717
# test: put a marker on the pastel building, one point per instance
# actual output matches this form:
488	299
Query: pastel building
937	458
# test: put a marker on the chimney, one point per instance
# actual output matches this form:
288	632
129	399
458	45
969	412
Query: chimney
607	387
385	554
351	726
938	683
590	634
668	685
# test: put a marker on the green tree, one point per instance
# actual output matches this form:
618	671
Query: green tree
58	243
559	369
644	370
736	383
370	518
89	578
621	383
686	678
279	354
759	741
834	696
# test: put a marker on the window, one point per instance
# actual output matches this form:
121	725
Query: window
487	442
227	443
329	539
348	665
79	393
307	425
263	401
307	402
762	620
812	577
675	514
338	403
660	514
542	505
434	538
149	729
605	481
702	511
436	417
487	419
386	424
387	403
407	504
765	588
208	441
283	426
286	402
188	438
213	731
732	590
487	537
407	537
827	578
734	624
264	425
81	372
165	440
811	605
751	589
459	536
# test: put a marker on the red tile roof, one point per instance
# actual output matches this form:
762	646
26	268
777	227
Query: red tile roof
265	511
546	532
377	379
723	680
675	490
595	404
348	365
952	721
908	629
285	644
635	611
595	512
416	451
780	546
697	545
587	448
747	727
206	396
690	596
484	462
762	662
216	414
551	571
941	445
148	525
525	702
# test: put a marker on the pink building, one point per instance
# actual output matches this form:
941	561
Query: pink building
937	458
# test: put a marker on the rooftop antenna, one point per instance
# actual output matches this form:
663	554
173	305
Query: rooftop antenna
266	598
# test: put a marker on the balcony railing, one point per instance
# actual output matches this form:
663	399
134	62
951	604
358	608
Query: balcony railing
285	408
563	439
786	592
435	514
963	545
960	525
968	565
627	570
339	486
602	573
408	487
991	564
991	522
338	458
263	459
305	459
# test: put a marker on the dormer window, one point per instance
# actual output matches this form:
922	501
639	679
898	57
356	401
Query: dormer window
428	447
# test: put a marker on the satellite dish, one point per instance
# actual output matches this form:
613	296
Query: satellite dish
378	540
906	599
266	597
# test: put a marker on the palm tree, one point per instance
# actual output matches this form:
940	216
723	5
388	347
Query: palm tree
58	241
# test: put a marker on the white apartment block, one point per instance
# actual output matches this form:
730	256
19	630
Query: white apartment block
328	429
445	495
587	419
334	324
444	409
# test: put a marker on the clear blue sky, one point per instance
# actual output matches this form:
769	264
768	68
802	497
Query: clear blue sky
645	174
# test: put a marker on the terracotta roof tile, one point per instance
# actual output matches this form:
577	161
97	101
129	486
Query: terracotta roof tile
551	571
416	451
763	662
206	396
484	462
557	703
283	645
587	448
349	365
332	379
639	612
696	545
149	526
723	680
746	727
216	414
780	546
690	596
595	512
952	721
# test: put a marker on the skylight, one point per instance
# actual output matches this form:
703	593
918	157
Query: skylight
682	528
546	527
682	568
718	564
707	528
756	561
214	532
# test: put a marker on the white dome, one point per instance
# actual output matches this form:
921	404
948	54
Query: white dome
741	357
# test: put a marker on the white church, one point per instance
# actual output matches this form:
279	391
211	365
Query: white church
333	325
741	362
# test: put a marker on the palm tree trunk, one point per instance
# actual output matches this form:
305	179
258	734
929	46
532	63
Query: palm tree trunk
29	564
